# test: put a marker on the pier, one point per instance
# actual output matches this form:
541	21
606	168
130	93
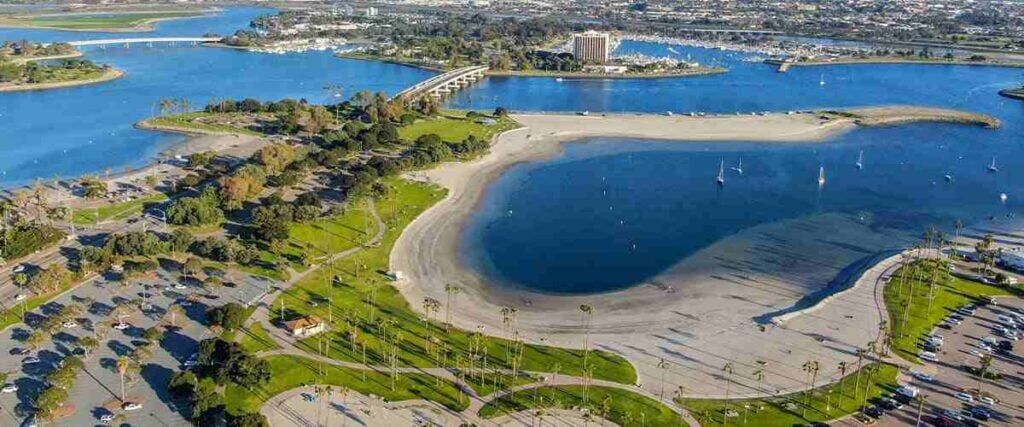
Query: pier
443	85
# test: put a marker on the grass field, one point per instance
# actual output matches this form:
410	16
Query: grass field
288	372
391	314
454	126
619	406
256	339
949	294
117	211
98	21
188	122
826	403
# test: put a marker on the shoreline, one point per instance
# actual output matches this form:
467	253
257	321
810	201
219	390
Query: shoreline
147	25
702	71
785	66
110	74
693	314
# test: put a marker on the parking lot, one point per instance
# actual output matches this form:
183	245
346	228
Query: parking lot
947	385
97	389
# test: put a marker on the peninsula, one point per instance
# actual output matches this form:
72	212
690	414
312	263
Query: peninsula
31	66
117	21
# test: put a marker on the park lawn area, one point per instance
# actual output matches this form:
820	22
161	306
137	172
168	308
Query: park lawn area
486	383
97	21
117	211
256	339
390	313
619	406
317	239
948	296
288	372
190	122
454	126
788	410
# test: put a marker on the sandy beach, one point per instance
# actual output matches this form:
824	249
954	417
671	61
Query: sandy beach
709	308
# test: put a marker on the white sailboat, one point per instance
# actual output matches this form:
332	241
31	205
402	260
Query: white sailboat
992	167
721	173
739	167
821	80
860	160
821	175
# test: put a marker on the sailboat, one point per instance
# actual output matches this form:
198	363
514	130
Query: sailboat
821	80
992	167
860	160
821	175
721	173
739	167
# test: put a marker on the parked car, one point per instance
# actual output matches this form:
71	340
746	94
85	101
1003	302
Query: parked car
31	360
981	413
875	411
20	297
122	326
131	406
964	397
9	388
108	417
70	324
923	376
987	400
952	414
929	356
21	351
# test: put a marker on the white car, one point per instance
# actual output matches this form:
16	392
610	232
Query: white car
976	352
19	268
131	406
69	324
122	326
1007	320
20	297
31	360
107	418
987	400
179	286
929	356
964	397
9	388
985	347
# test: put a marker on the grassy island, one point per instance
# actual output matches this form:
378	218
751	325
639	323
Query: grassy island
29	73
111	21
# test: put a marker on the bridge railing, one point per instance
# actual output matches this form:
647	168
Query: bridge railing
439	80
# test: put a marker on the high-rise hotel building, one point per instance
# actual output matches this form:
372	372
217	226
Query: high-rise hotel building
591	47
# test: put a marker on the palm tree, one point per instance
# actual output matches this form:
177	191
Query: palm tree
920	407
663	366
811	368
123	363
842	384
450	290
759	376
586	313
983	366
860	361
728	384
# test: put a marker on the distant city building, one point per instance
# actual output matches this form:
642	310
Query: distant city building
591	47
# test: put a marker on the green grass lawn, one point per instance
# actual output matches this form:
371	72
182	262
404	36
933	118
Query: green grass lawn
619	406
288	372
97	21
485	383
454	126
188	122
793	409
949	294
12	314
391	313
117	211
256	339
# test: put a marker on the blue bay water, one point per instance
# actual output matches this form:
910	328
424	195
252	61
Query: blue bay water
543	225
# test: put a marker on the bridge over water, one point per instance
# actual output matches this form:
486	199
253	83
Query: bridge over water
443	85
145	40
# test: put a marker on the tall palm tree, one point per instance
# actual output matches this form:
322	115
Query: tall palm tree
920	405
983	366
123	364
842	384
811	368
586	313
663	365
728	384
759	377
450	290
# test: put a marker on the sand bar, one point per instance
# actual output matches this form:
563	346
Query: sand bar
699	314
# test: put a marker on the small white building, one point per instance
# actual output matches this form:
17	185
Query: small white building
305	327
